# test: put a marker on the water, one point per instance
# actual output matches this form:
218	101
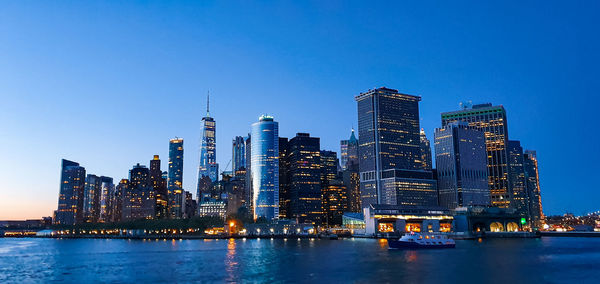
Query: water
553	260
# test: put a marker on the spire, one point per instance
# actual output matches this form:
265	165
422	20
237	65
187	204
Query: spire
352	136
208	104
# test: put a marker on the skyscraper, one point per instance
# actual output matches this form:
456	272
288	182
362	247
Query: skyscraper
334	202
305	178
492	121
532	177
390	150
175	180
425	151
159	185
107	193
70	198
208	149
461	163
238	154
265	168
139	200
349	151
520	200
284	179
91	198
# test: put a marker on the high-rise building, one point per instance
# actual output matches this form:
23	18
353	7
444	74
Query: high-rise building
425	151
390	150
461	164
175	180
139	201
107	195
351	179
334	202
238	154
520	200
265	168
492	121
70	198
305	178
91	198
349	151
121	199
284	179
159	185
208	149
249	193
532	177
329	166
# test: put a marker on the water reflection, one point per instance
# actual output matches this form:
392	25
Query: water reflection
231	264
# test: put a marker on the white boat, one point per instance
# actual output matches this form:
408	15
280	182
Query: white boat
414	240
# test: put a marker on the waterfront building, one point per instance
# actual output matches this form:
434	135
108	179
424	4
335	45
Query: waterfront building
70	198
351	179
532	178
349	151
329	166
383	219
284	179
107	193
461	166
334	202
212	208
492	121
175	178
520	200
139	201
265	168
159	185
390	151
238	154
208	150
91	198
425	151
305	178
121	192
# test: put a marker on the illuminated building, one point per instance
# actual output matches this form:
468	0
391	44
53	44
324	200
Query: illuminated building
238	154
107	193
175	179
138	200
532	178
265	168
520	200
212	208
329	166
390	165
91	198
121	191
284	179
349	151
381	219
351	180
249	194
461	164
425	151
70	198
492	121
159	185
208	150
334	202
305	178
190	205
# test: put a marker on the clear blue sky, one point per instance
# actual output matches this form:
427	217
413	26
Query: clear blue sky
107	84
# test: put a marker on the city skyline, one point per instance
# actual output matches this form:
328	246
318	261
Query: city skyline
39	123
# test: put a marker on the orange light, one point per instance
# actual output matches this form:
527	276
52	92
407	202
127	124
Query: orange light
231	224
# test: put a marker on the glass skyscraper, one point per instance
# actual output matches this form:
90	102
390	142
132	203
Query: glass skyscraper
238	153
516	170
208	150
265	168
532	177
390	165
349	151
305	173
175	180
107	193
492	121
461	164
70	198
91	198
425	151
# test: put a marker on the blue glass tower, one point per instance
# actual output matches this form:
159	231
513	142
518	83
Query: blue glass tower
70	198
175	179
265	168
208	150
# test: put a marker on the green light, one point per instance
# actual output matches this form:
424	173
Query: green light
523	221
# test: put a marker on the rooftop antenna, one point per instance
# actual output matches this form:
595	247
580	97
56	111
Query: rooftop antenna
207	103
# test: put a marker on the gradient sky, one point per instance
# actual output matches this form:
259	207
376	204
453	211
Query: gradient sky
107	84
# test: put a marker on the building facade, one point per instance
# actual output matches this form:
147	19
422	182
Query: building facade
208	149
175	179
107	202
70	198
532	177
461	164
349	151
520	200
425	151
492	121
284	179
238	153
91	198
265	168
159	185
305	178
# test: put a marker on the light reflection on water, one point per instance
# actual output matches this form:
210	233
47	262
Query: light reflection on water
305	260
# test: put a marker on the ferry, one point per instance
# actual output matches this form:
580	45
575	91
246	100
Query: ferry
414	240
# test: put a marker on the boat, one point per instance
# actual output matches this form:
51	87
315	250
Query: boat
414	240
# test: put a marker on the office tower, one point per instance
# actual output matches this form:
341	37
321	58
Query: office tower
520	200
121	192
425	151
351	179
461	164
305	178
91	198
349	150
249	192
329	166
390	150
159	185
191	206
238	154
70	198
139	200
175	179
107	193
334	202
532	178
284	179
492	121
265	168
208	149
